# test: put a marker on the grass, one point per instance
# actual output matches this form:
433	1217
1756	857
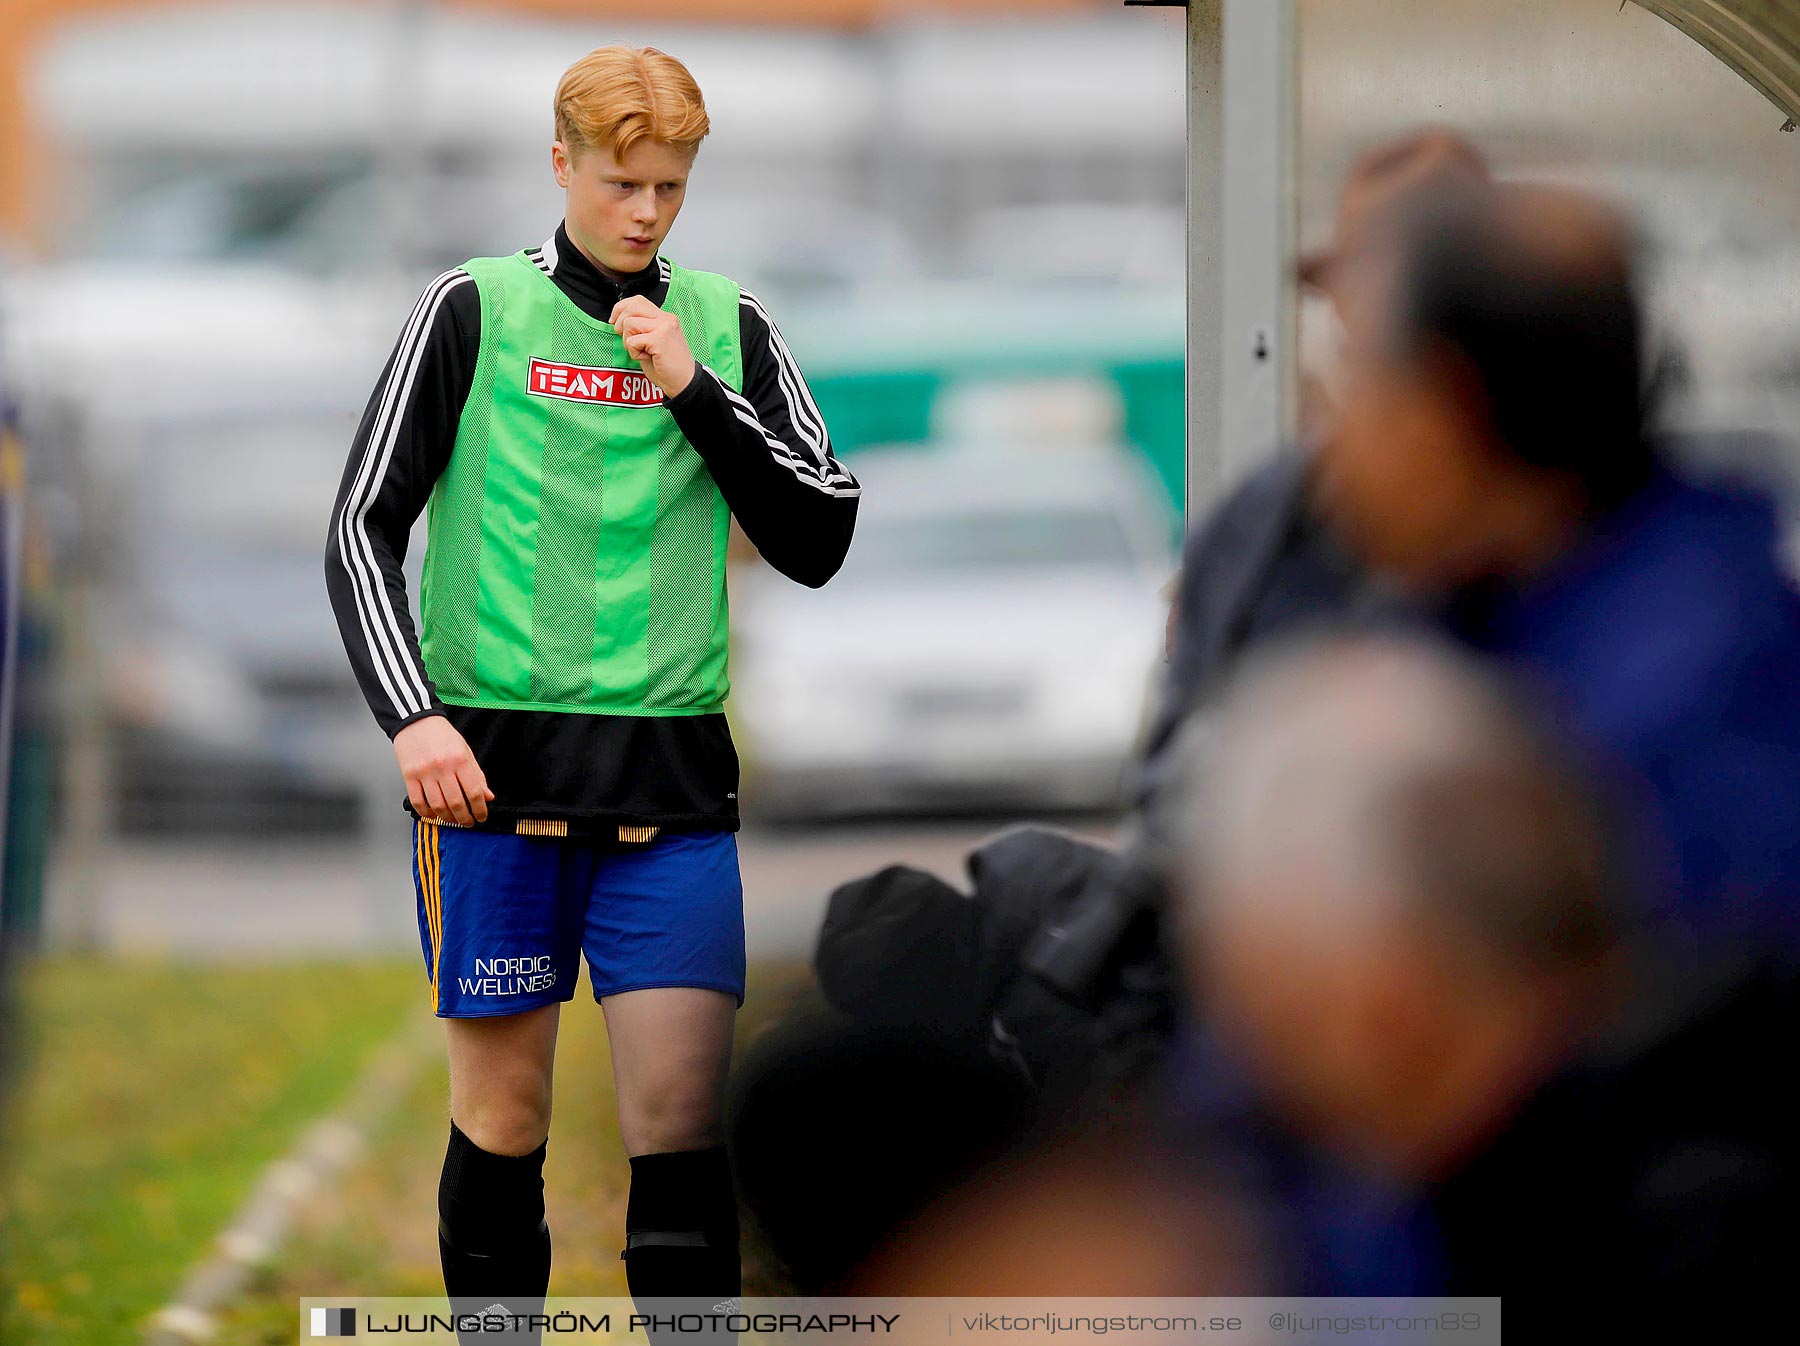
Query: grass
148	1097
377	1234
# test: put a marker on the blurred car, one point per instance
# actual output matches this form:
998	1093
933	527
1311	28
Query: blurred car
1054	243
228	704
989	642
226	273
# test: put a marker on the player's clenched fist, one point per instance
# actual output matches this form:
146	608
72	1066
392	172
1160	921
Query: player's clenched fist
653	337
443	779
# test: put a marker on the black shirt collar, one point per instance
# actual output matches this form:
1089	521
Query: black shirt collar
593	292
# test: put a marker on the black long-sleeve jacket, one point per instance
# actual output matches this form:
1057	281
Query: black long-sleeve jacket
767	450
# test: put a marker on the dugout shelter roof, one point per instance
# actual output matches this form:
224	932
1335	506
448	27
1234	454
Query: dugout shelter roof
1759	39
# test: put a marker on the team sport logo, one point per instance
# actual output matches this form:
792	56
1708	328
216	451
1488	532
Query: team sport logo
587	383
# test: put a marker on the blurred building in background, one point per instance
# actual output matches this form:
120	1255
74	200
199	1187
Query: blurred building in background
968	218
237	201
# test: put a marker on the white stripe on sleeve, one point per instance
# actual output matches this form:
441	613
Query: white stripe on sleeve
832	481
802	410
381	627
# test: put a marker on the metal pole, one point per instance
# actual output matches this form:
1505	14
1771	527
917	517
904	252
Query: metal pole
403	143
1205	251
1242	309
1260	307
12	556
88	831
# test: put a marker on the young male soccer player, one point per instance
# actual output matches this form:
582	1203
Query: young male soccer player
581	421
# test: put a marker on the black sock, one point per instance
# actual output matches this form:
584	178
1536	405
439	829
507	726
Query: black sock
492	1237
681	1230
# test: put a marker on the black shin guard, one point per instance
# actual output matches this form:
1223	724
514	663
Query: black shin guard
492	1238
681	1233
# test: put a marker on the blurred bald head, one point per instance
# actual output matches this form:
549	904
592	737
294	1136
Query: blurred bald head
1393	894
1496	406
1523	301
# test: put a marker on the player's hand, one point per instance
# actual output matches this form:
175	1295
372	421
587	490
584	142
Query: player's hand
653	337
442	778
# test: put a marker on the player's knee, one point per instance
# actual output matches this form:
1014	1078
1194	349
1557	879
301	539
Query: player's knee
676	1116
505	1126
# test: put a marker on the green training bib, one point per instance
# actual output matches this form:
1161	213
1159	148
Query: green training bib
575	555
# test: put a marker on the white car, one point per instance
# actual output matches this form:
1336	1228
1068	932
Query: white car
989	642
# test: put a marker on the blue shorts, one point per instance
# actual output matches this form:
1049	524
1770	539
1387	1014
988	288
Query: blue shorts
503	919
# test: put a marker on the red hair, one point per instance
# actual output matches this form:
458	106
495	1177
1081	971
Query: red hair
616	96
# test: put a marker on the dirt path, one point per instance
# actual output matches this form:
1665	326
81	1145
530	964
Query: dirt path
376	1233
